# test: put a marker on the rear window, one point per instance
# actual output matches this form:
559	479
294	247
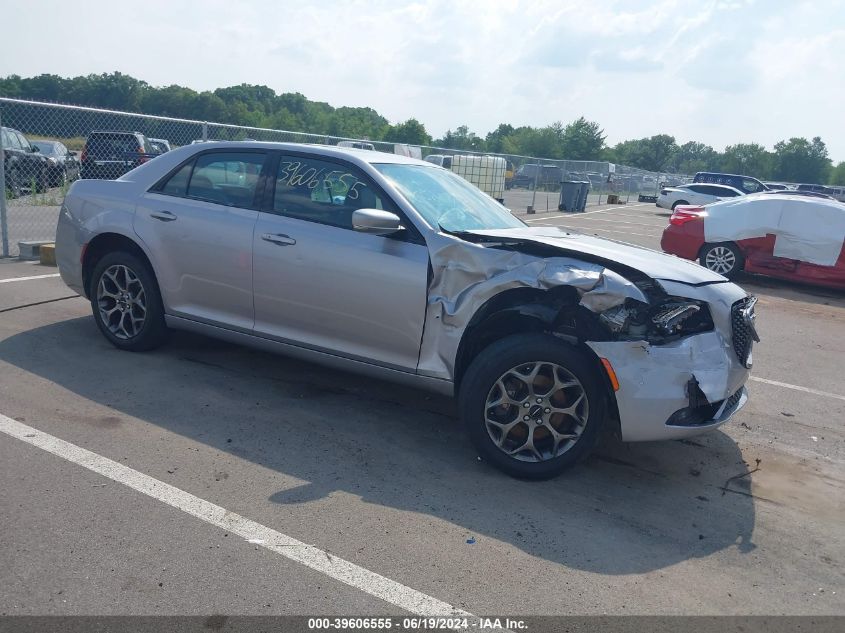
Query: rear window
112	145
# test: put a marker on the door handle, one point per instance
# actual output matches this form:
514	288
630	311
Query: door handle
164	216
278	238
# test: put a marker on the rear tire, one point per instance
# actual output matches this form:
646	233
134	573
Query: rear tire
126	302
533	405
679	202
723	258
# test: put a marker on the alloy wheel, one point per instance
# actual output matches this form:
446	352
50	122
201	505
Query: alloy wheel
536	411
720	259
121	301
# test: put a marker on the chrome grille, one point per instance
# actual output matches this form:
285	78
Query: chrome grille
742	324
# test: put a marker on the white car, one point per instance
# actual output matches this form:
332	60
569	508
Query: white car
695	193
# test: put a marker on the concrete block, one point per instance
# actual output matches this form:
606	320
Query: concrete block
48	254
29	250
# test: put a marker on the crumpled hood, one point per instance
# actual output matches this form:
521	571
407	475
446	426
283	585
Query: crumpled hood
652	263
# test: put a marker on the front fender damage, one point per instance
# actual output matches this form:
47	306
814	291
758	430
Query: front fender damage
466	275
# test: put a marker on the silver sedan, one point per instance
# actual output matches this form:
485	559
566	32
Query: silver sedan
399	269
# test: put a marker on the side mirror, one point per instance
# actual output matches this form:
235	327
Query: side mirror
375	221
34	149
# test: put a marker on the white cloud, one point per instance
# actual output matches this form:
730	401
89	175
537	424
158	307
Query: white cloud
717	71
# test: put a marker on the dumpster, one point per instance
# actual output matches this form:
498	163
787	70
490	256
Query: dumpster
570	195
582	195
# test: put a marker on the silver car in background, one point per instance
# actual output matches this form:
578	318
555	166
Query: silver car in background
399	269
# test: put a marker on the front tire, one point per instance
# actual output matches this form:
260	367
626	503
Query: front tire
126	302
533	405
723	258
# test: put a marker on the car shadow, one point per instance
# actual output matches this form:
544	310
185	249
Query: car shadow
629	508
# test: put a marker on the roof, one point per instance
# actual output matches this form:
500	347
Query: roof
373	157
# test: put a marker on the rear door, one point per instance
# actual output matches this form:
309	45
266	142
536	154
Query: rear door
322	285
197	225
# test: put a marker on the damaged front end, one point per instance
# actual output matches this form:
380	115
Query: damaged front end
673	347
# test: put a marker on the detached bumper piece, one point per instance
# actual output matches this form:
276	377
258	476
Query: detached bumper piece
700	412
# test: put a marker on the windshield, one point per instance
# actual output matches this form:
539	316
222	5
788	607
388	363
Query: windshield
447	201
44	148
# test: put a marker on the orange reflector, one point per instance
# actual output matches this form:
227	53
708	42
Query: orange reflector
610	373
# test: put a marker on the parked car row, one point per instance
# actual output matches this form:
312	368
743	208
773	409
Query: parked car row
25	168
34	166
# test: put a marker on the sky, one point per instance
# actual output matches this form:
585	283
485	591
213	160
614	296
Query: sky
715	71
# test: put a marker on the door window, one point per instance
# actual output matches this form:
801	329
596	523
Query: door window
322	191
228	178
177	184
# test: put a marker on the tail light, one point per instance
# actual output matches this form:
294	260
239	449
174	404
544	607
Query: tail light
84	155
683	214
142	158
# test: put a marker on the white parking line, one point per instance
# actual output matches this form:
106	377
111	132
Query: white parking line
815	392
6	281
319	560
569	215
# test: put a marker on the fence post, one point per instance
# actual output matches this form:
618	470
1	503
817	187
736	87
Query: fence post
531	208
205	130
4	226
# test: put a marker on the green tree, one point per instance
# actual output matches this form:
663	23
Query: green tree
800	160
461	138
495	140
655	153
693	156
749	159
582	140
837	175
411	131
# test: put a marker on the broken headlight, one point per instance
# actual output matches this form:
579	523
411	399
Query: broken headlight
668	319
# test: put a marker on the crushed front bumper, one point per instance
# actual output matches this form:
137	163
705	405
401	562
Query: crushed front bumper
654	397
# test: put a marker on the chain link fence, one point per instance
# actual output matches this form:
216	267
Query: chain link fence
47	146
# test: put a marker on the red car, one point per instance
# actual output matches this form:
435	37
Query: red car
789	237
